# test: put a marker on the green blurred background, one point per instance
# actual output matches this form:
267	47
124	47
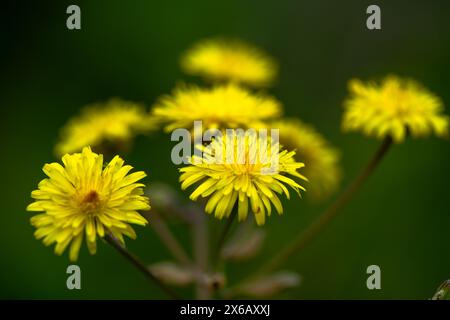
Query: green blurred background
399	221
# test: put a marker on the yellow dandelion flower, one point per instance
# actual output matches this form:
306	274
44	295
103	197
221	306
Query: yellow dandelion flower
235	170
83	197
115	121
393	108
321	160
232	60
225	106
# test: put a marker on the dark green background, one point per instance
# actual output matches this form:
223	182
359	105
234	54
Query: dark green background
399	221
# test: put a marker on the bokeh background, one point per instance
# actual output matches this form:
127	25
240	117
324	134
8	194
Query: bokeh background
399	221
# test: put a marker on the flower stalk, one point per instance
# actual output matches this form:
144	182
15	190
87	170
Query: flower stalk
223	237
167	237
200	246
304	238
139	265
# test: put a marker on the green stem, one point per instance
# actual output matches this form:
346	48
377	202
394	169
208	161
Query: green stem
304	238
222	238
156	221
201	254
139	265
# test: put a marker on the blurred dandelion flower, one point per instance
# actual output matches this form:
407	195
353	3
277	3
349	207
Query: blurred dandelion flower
83	197
393	108
230	60
225	106
233	170
321	160
115	121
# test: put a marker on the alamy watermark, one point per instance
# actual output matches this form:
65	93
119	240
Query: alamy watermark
74	280
230	146
73	21
373	22
374	280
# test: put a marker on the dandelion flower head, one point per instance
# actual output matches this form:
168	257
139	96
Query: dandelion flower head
230	60
234	173
110	122
220	107
393	108
81	197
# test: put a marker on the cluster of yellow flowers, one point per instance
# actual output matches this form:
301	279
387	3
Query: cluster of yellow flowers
86	196
229	104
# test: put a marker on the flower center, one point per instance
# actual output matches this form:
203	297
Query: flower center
90	202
